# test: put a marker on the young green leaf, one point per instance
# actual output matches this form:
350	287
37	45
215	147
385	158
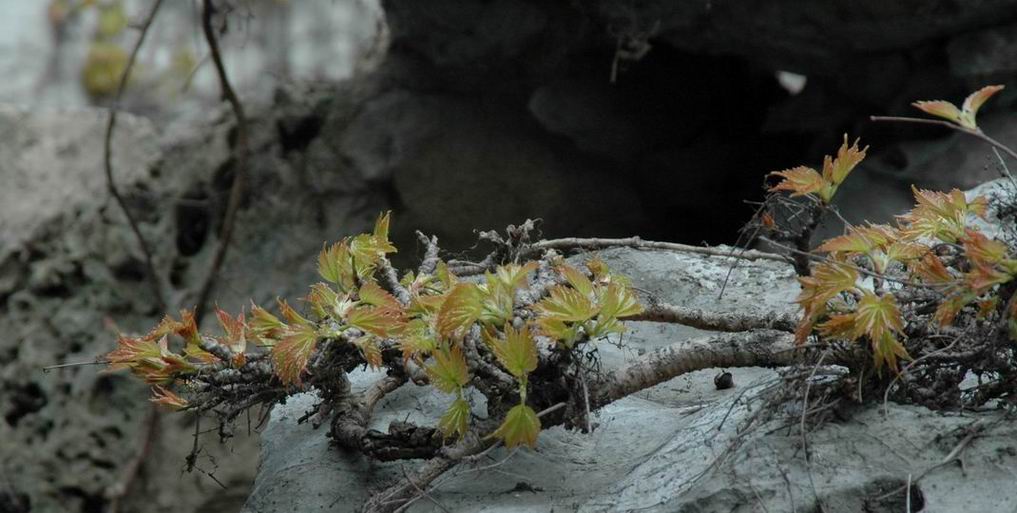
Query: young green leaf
448	372
876	316
372	294
577	279
336	266
456	420
375	320
462	307
514	276
618	302
567	304
559	330
520	427
264	325
517	352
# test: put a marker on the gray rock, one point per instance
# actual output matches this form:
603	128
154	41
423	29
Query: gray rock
664	449
70	269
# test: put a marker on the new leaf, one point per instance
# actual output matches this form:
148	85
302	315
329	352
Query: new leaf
520	427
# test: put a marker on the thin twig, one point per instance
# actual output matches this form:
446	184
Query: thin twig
111	123
149	432
638	243
953	126
149	429
240	151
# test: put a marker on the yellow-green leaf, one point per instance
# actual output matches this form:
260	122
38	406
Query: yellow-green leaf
379	321
324	301
291	315
456	420
381	227
336	266
372	294
568	305
448	372
619	302
264	325
514	276
517	352
520	427
577	279
462	308
877	315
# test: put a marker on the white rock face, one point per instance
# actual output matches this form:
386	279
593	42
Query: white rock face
663	450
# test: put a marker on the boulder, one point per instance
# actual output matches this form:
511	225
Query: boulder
666	449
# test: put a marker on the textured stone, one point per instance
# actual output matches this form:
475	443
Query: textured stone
664	449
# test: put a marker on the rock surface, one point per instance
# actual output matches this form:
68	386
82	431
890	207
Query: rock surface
664	449
70	270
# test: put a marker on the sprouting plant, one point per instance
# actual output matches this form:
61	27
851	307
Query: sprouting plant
441	328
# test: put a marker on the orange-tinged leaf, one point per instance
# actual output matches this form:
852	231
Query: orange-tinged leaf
417	339
567	304
939	108
520	427
130	351
838	326
166	397
369	349
974	101
827	281
836	170
947	311
517	352
448	372
930	269
291	315
462	308
379	321
456	420
264	325
372	294
983	277
290	356
799	181
324	301
982	250
886	350
498	300
877	315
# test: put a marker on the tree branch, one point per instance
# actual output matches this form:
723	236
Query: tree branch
764	348
638	243
716	321
111	123
240	151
